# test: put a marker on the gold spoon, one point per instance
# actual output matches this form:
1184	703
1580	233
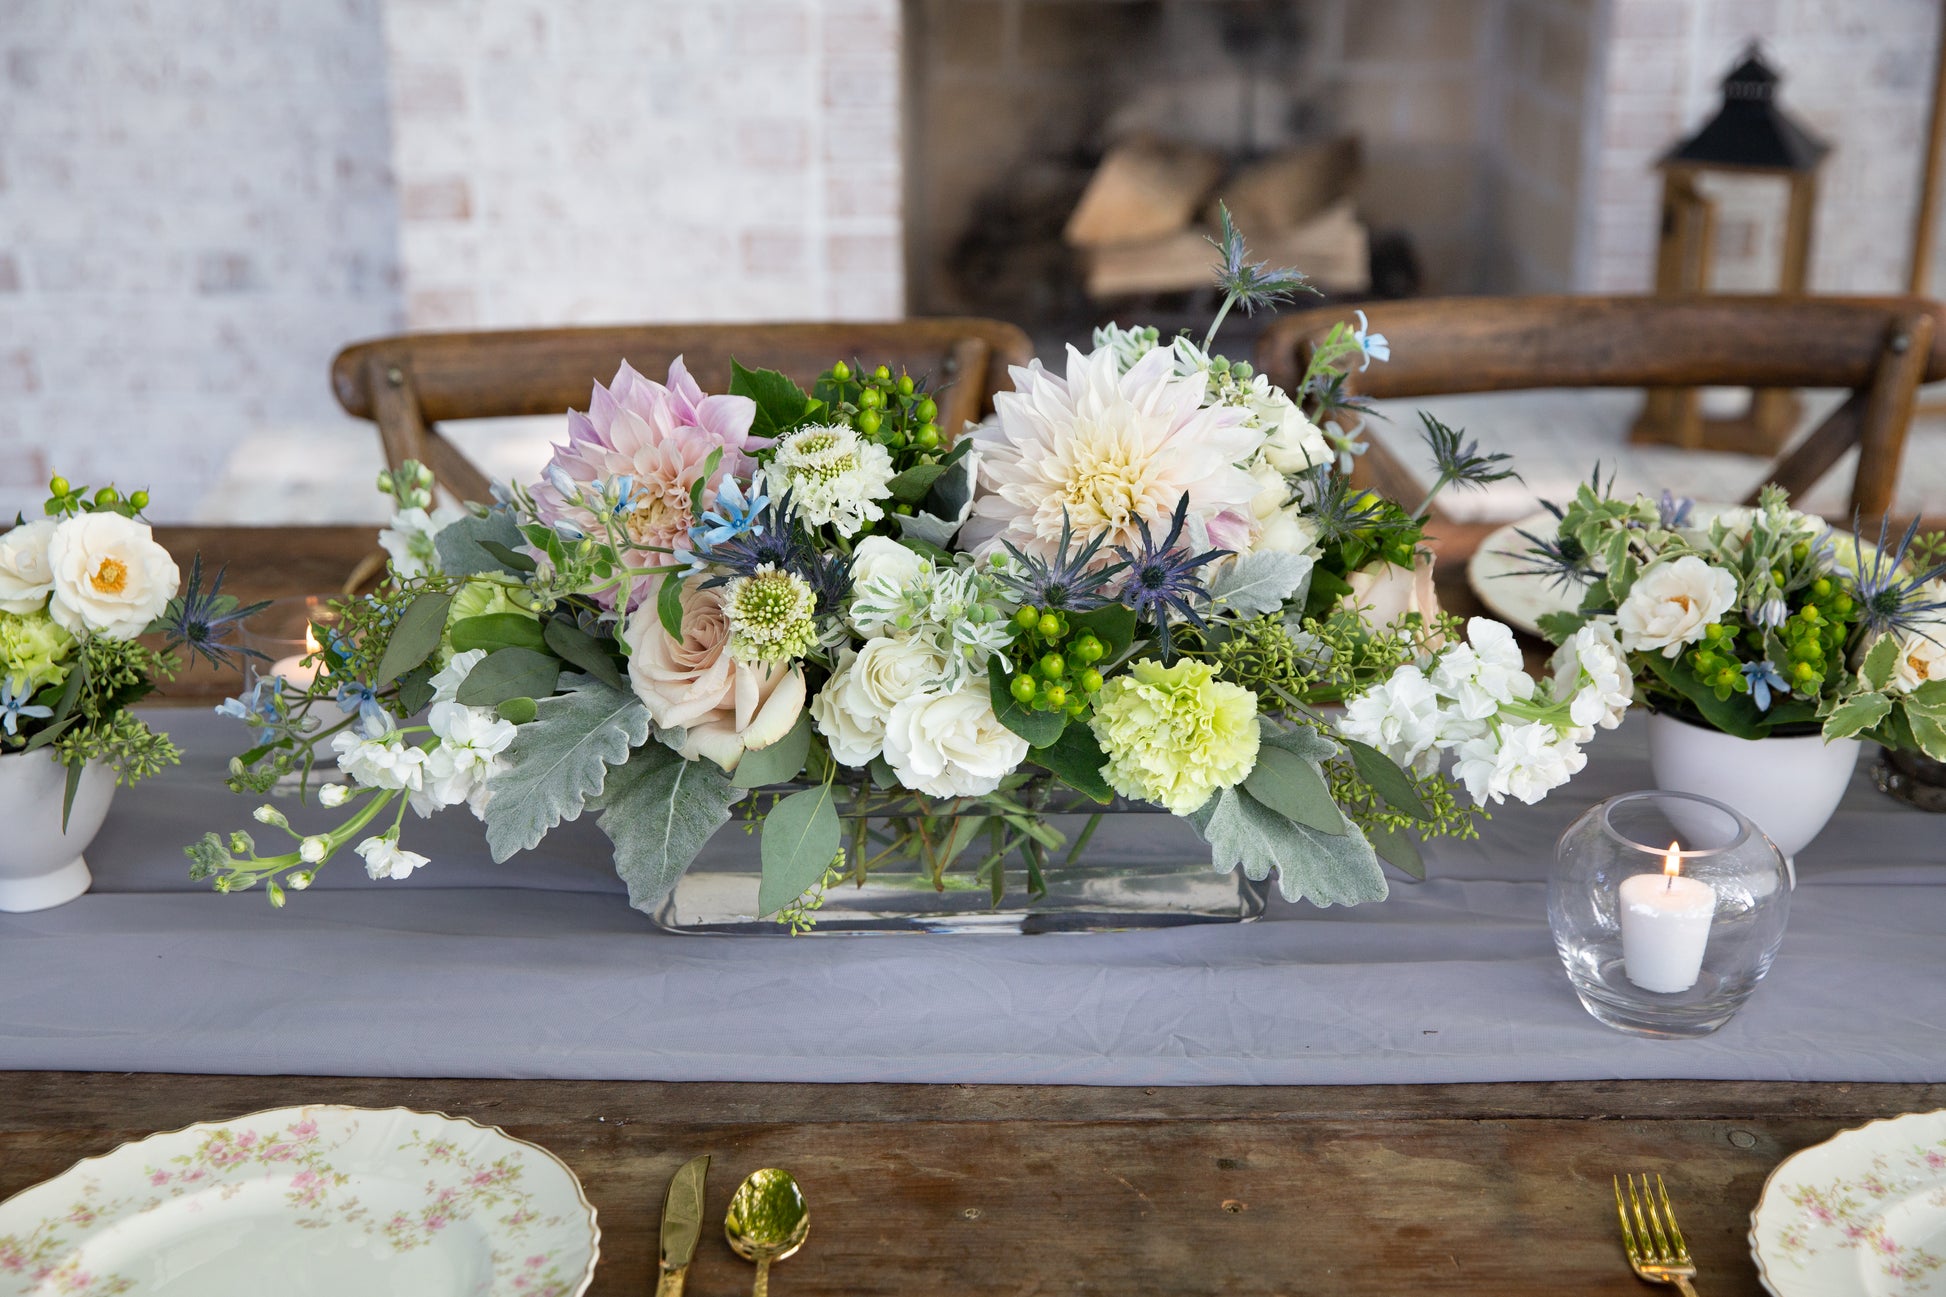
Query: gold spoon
767	1221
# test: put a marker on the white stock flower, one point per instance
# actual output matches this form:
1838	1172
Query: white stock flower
1400	717
25	576
334	795
385	761
1484	672
951	744
471	740
410	538
447	680
1523	761
833	476
384	859
1670	604
852	709
110	577
311	850
1591	675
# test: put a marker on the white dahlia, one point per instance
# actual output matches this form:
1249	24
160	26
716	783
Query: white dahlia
1111	451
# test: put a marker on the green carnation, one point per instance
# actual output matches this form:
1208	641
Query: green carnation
476	599
1174	735
34	652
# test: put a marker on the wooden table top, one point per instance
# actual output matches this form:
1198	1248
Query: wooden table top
1040	1190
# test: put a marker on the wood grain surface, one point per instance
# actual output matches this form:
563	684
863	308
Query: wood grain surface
1018	1191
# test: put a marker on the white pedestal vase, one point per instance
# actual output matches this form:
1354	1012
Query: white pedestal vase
40	864
1787	786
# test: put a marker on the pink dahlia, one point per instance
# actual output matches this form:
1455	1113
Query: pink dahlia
1110	451
660	437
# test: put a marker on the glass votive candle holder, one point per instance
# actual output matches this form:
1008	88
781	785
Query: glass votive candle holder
285	633
1667	909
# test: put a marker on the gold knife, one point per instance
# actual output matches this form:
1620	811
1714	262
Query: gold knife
682	1225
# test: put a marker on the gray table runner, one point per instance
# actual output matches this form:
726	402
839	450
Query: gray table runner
537	968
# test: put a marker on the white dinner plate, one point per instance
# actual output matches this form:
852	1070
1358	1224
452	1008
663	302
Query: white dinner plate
321	1201
1863	1213
1521	599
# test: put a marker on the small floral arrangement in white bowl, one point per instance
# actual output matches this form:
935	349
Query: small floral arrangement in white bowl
1146	579
81	588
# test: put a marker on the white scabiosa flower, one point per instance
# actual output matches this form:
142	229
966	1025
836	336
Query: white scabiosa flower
833	475
772	616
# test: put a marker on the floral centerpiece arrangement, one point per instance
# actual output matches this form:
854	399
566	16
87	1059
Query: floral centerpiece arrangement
80	588
1145	579
1763	621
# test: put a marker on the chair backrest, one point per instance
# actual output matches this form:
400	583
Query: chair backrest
1880	349
407	384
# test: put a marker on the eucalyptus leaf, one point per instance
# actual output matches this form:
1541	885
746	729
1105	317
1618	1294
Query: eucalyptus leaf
1260	583
414	638
1294	788
910	487
496	631
1325	869
1388	781
518	711
578	648
659	810
1399	848
780	762
1038	728
509	673
462	545
1078	760
415	689
799	842
560	760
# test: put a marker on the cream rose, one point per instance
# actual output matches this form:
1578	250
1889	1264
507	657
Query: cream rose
1672	602
951	744
887	567
725	707
852	708
110	577
1387	592
1922	657
1277	526
1295	445
25	577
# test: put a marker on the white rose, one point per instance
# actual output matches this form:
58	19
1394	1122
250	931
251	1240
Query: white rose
951	744
724	706
1672	602
1295	444
110	577
852	708
881	556
25	577
1922	657
1276	526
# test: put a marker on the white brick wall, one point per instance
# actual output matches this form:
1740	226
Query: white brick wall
195	212
659	160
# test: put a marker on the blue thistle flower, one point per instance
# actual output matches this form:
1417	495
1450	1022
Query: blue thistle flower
1672	511
776	538
1162	580
1887	600
1066	582
201	620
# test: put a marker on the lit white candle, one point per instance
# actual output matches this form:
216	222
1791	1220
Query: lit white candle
294	668
1665	926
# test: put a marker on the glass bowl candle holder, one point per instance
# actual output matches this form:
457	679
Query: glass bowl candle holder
1667	909
285	633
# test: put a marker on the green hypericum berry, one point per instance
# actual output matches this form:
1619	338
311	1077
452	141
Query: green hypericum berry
926	411
1821	587
1050	626
868	423
58	485
139	499
1075	707
881	375
1843	605
1088	648
1055	695
1054	666
870	399
928	438
841	371
1810	614
1090	681
1022	688
905	385
107	495
1027	618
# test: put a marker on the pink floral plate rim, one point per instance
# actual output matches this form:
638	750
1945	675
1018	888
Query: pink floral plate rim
1820	1219
294	1129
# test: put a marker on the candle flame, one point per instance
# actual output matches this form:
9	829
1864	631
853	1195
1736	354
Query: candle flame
1672	860
311	645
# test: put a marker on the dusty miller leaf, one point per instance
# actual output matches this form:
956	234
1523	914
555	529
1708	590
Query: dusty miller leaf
659	810
1324	869
1262	582
559	760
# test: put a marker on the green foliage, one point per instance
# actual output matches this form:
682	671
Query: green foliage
1289	779
1078	760
1391	783
420	624
1037	727
560	760
779	763
781	404
510	673
482	543
800	839
1260	583
1391	831
658	810
497	631
579	649
1324	868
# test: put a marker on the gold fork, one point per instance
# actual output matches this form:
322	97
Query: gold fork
1654	1244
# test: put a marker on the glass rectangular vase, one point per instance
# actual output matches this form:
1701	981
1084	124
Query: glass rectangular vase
1139	868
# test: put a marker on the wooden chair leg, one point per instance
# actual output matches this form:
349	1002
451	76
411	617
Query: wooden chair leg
1888	414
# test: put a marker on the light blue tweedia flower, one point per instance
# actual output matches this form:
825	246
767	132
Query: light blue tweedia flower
1771	613
13	706
1672	511
362	699
735	515
257	705
1763	680
1373	345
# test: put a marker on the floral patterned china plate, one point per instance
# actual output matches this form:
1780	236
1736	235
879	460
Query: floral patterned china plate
320	1201
1862	1213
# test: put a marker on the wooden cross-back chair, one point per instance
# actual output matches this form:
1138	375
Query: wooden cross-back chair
410	383
1879	348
